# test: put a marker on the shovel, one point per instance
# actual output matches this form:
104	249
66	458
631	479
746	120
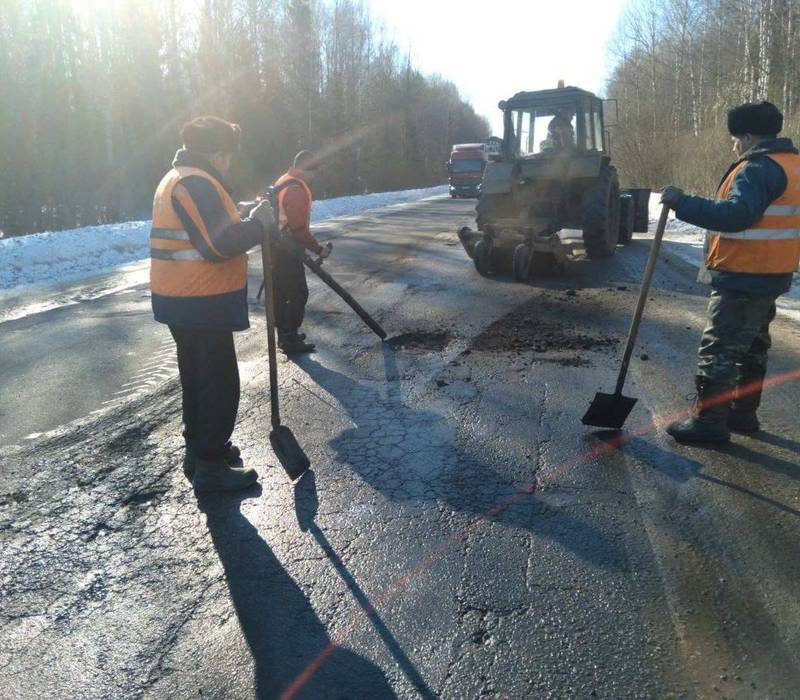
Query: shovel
316	267
283	441
612	410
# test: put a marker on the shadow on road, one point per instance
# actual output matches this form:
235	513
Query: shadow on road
282	631
306	504
412	455
760	458
778	441
680	468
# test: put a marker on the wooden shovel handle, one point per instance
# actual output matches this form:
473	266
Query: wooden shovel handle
269	307
643	293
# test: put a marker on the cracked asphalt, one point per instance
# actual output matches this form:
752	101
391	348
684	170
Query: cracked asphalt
461	535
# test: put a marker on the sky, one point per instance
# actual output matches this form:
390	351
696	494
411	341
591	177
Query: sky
494	49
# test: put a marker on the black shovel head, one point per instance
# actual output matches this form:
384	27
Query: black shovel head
609	411
289	452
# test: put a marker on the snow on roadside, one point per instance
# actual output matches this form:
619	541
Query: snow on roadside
61	256
686	242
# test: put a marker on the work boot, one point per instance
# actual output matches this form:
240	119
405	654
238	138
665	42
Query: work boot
742	417
293	344
219	475
708	422
233	456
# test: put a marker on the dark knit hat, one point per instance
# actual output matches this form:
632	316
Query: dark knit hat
762	118
207	135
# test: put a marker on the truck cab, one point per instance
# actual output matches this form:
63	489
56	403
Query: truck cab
465	169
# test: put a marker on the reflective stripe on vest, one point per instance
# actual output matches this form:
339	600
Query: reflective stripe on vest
192	254
166	234
177	268
283	219
772	244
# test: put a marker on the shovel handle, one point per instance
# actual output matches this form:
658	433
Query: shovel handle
316	267
269	307
655	248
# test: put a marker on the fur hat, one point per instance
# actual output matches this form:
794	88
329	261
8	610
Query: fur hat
207	135
762	118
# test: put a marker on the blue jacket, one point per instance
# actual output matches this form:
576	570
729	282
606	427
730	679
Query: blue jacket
757	185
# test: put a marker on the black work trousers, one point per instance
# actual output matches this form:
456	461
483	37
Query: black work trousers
210	380
289	286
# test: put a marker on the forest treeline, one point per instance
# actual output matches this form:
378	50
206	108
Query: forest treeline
93	92
680	65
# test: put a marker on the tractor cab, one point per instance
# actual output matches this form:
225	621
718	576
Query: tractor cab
564	121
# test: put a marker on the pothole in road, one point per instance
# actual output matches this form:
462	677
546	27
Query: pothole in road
527	328
420	341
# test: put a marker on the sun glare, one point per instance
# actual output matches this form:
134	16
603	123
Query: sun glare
87	8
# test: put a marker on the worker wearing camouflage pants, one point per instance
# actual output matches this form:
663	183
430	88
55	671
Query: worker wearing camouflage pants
753	249
734	347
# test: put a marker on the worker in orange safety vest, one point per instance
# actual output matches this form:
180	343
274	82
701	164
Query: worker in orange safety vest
198	279
294	200
752	252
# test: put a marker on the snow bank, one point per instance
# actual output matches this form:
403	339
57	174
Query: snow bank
686	242
61	256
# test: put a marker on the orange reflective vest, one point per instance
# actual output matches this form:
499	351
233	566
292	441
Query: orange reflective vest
187	288
772	244
283	220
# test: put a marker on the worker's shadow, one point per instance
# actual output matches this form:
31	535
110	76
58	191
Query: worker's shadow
285	637
306	506
759	457
409	454
779	441
680	468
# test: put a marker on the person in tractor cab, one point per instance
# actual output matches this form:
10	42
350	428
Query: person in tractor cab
560	135
752	251
294	199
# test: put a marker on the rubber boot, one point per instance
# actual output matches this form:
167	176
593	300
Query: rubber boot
233	456
742	417
708	422
293	344
219	475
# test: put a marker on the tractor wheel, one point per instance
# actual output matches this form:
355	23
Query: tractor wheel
601	215
482	256
521	259
626	219
501	260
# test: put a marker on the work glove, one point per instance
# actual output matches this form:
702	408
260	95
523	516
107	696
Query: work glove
263	213
326	251
671	196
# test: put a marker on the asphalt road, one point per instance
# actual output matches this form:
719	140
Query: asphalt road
462	535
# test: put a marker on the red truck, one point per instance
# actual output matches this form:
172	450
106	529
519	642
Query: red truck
465	169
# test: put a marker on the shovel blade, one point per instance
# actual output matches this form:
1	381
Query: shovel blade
289	453
609	411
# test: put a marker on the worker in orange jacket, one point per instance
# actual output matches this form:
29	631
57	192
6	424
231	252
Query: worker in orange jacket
198	278
294	200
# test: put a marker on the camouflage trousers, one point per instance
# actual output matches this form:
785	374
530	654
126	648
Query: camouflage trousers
736	342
